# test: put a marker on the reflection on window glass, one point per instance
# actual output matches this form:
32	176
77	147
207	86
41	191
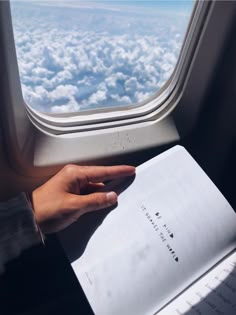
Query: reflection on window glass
79	55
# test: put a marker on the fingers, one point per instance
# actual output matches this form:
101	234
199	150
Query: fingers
97	174
92	202
103	173
92	188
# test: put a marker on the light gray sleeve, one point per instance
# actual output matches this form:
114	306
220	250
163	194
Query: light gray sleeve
18	229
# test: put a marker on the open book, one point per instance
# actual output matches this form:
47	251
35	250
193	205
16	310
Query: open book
167	248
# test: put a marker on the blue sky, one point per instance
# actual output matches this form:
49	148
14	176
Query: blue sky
79	55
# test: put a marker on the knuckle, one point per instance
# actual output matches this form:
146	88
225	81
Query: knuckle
83	179
70	170
96	203
71	203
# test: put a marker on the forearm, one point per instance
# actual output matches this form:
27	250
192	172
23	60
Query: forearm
18	230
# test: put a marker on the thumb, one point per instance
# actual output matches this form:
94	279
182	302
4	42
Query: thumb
92	202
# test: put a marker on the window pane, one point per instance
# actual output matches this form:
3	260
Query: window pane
79	55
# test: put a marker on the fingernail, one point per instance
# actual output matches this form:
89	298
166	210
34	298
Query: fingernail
111	197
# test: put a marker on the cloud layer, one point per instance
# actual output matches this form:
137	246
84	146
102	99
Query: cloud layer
74	59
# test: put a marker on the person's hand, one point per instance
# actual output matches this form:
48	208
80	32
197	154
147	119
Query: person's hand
72	192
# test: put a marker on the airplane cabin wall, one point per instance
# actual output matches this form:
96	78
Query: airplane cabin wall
213	141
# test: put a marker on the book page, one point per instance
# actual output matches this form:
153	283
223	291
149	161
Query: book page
214	294
171	225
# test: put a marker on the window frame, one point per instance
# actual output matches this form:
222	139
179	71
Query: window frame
36	142
79	121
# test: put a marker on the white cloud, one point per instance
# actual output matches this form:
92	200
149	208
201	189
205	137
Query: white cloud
97	97
87	59
71	106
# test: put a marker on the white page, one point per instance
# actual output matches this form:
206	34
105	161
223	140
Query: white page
127	266
214	294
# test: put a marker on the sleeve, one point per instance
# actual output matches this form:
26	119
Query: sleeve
18	229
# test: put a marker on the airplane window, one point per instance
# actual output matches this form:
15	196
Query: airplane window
80	55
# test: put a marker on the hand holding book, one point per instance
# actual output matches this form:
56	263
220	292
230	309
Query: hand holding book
171	226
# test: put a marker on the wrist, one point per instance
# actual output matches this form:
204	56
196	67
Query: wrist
39	231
